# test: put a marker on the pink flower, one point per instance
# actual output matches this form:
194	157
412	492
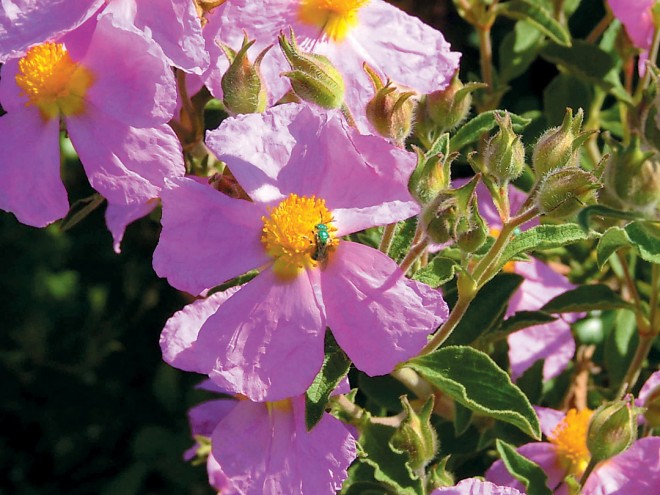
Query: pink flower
635	15
173	25
348	32
636	470
115	95
473	486
304	171
552	342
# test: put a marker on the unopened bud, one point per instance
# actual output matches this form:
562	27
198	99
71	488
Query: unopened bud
243	90
313	77
633	175
448	107
564	192
612	429
440	217
559	147
391	110
416	435
504	155
433	172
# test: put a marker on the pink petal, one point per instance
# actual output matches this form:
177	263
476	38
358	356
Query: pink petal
549	418
541	284
223	233
127	165
652	382
132	82
24	23
266	341
203	418
177	340
379	317
635	471
218	479
117	218
636	17
30	183
474	486
10	94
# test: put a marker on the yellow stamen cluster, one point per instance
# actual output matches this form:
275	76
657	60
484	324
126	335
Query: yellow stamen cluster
335	17
52	81
570	438
290	233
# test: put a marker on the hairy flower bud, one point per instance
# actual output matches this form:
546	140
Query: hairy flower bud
416	435
559	147
242	86
504	155
440	216
563	192
612	429
448	107
313	77
391	110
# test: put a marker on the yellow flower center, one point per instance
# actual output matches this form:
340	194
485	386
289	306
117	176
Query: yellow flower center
52	81
335	17
298	234
570	438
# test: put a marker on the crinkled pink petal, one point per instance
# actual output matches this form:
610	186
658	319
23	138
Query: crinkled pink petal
635	471
203	418
379	317
173	24
542	453
549	418
177	340
265	449
652	382
541	284
473	486
297	149
207	237
117	218
24	23
552	342
10	93
266	341
30	183
127	165
133	83
635	15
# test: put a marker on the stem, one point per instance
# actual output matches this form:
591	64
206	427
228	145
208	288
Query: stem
414	253
587	472
642	351
388	236
348	115
457	313
642	326
653	55
600	28
486	61
413	382
653	303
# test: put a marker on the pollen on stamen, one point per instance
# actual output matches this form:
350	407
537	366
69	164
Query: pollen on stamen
289	233
52	81
335	18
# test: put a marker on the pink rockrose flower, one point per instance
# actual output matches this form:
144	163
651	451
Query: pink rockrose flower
636	17
173	24
473	486
312	180
553	342
348	32
114	94
636	470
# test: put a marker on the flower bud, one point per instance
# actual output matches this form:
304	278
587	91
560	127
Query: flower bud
313	77
652	406
564	192
504	155
440	217
559	147
432	173
416	435
390	111
612	429
472	231
633	175
242	87
448	107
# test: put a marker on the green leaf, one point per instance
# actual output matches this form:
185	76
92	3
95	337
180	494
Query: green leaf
518	50
472	130
390	466
462	418
613	239
620	345
472	378
538	17
335	367
586	214
646	237
564	91
382	392
405	231
525	319
586	298
487	310
527	472
438	272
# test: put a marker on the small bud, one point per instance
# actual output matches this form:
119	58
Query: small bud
564	192
313	77
504	155
633	175
439	476
390	111
612	429
416	435
449	107
242	87
559	147
440	218
652	405
433	171
472	231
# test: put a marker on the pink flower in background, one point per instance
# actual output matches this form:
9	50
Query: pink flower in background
635	15
348	32
115	95
552	342
306	172
636	470
473	486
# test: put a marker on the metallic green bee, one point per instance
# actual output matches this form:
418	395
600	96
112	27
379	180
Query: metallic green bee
321	241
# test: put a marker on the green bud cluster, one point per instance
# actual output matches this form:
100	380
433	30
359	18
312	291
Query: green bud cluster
504	154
